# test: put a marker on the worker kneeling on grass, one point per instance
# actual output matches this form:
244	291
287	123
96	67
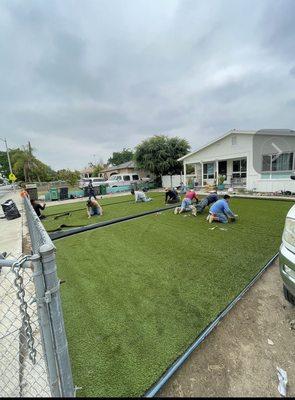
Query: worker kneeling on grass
171	196
93	208
140	196
207	201
186	204
220	211
38	207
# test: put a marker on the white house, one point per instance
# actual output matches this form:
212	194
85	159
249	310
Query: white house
257	160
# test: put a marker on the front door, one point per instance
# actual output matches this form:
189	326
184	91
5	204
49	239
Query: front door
222	168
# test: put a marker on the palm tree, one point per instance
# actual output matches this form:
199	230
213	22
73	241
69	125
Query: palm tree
29	167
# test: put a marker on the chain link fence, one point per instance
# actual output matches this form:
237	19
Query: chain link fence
33	346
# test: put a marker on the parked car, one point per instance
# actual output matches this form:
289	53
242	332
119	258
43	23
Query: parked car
287	257
124	179
84	182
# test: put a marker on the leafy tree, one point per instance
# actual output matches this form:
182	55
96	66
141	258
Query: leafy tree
120	157
190	169
159	154
28	168
69	176
97	169
4	166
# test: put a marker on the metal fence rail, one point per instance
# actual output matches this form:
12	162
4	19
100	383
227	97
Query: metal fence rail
33	346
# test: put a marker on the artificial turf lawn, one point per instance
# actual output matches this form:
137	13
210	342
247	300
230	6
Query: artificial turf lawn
115	207
138	293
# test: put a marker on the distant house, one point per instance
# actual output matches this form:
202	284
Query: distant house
88	173
125	168
256	160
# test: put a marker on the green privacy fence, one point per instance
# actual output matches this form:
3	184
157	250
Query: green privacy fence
109	190
74	193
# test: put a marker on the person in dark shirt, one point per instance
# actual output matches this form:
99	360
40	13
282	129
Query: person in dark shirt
171	196
91	192
210	199
37	207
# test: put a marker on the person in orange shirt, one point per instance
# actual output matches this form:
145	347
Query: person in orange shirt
24	193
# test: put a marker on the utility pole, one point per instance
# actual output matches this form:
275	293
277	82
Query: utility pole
7	151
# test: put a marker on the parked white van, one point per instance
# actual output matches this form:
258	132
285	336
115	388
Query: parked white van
287	257
124	179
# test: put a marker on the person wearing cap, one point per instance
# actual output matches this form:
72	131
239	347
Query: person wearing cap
210	199
186	204
220	211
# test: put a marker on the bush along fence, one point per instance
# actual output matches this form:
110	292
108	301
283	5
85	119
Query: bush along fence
33	345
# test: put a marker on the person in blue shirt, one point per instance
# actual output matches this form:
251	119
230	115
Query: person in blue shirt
220	211
207	201
182	188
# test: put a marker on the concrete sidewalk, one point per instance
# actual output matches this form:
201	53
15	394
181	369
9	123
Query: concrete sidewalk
11	232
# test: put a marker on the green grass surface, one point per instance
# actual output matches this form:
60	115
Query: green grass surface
126	207
138	293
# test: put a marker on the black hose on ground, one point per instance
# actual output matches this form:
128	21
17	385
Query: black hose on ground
58	235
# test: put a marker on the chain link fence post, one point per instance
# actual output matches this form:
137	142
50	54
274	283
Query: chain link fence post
52	298
46	333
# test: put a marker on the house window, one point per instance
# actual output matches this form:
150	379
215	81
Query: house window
126	178
233	140
276	163
208	171
240	168
135	177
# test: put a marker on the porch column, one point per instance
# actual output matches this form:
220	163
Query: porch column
202	174
184	173
217	171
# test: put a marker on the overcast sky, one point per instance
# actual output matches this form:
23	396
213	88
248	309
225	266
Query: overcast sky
81	79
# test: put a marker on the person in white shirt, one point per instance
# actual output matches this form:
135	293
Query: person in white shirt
140	196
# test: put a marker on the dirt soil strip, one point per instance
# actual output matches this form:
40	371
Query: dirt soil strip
236	360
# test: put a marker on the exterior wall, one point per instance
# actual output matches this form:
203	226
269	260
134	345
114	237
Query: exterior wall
275	185
198	173
256	180
224	149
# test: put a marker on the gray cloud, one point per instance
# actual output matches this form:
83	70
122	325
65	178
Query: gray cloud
92	77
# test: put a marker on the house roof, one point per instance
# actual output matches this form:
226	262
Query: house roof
278	132
86	170
128	164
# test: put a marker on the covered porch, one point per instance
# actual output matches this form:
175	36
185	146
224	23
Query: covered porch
207	172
